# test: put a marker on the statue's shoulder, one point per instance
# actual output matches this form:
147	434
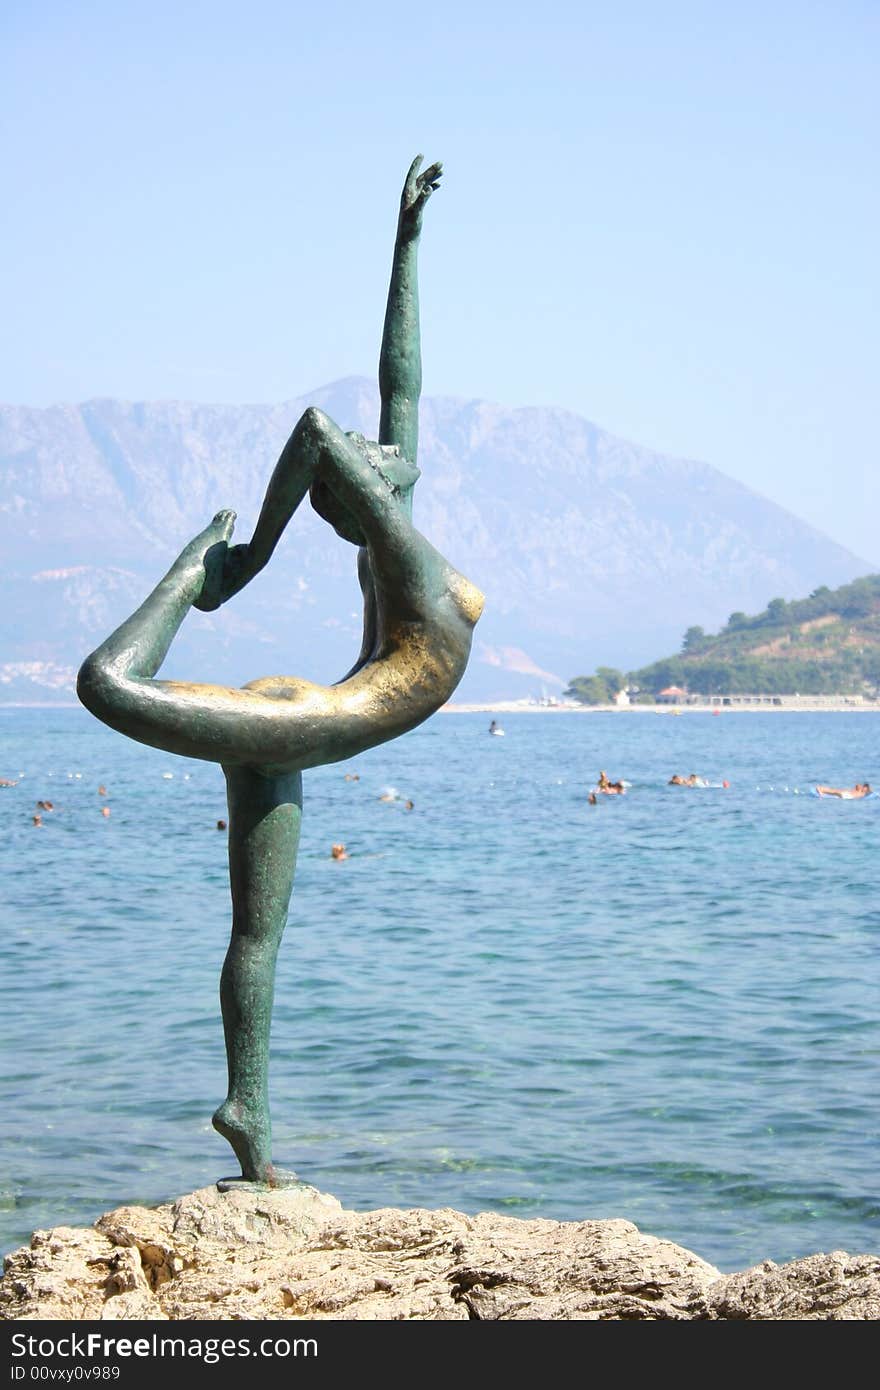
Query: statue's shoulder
387	460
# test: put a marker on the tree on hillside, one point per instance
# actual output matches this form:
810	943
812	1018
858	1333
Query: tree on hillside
662	673
860	599
614	680
694	637
589	690
599	689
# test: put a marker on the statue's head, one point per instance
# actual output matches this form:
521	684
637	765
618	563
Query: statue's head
399	475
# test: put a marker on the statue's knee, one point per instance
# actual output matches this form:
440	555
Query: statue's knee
87	681
94	685
314	423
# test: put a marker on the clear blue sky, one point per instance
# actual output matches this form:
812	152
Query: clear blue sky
661	216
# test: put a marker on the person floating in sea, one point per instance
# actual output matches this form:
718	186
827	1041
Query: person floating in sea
338	852
495	728
676	780
37	820
847	793
102	790
609	788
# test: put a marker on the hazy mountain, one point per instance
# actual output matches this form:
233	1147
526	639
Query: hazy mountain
589	549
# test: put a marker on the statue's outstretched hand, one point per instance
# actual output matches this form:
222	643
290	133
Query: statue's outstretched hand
416	192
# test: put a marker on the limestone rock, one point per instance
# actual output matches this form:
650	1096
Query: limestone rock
296	1254
829	1287
74	1273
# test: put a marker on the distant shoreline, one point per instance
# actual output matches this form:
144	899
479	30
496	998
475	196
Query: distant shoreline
518	707
39	704
803	706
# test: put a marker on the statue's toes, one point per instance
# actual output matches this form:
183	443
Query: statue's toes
224	521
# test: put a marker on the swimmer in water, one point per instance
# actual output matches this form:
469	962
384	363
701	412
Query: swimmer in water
609	788
38	820
221	825
102	790
593	799
693	781
338	852
419	615
105	811
847	793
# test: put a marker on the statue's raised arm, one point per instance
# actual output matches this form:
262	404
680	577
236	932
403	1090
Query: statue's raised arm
400	384
400	360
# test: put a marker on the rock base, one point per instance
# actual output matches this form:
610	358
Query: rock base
296	1254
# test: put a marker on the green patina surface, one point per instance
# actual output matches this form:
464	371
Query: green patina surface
419	615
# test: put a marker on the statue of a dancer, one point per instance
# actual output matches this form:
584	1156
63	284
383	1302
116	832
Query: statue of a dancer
419	615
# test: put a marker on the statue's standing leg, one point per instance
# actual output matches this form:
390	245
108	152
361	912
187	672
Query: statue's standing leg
265	813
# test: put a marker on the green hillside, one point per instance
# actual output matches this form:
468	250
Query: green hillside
827	644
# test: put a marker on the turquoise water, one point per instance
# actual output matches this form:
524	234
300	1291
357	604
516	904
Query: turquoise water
663	1008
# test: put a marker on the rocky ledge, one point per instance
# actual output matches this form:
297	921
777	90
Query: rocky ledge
297	1254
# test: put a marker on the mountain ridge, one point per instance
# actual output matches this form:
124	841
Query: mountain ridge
584	543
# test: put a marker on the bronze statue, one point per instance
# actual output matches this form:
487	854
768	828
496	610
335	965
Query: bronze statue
419	614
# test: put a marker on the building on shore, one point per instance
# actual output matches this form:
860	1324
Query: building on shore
792	701
674	695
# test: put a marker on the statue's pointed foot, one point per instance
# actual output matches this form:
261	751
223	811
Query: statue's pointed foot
277	1179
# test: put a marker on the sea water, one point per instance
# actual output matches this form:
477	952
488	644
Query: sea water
663	1007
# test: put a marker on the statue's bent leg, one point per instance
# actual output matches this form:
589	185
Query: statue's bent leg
140	645
264	824
220	724
115	682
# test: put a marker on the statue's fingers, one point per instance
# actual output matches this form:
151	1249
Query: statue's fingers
433	173
413	171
